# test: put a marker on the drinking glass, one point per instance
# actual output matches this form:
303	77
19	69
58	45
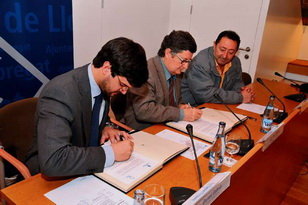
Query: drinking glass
154	194
232	147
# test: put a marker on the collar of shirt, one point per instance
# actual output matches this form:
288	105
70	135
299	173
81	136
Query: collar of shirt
222	73
166	72
95	90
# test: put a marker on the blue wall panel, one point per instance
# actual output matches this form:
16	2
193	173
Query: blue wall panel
36	44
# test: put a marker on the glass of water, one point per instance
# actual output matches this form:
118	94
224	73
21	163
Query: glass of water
154	194
232	147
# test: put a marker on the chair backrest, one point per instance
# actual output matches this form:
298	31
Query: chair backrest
246	78
17	128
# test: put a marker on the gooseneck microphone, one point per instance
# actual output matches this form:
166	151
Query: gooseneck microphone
281	115
245	144
296	97
295	83
189	129
178	195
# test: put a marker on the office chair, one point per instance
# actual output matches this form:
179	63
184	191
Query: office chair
16	134
246	78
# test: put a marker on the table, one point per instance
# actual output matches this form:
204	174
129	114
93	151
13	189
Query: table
258	177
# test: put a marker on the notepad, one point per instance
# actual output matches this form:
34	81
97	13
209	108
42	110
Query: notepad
150	153
206	127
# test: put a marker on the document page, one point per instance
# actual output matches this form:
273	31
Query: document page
200	126
201	147
252	107
132	169
88	190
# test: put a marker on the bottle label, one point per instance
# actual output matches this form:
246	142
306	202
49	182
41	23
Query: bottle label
267	123
212	159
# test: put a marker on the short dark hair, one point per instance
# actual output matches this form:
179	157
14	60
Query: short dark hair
178	41
231	35
127	59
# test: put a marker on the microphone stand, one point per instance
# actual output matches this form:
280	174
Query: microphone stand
245	144
178	195
295	97
280	115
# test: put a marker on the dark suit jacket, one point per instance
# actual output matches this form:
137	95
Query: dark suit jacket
63	128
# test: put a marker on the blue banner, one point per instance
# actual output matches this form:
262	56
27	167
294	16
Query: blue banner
36	44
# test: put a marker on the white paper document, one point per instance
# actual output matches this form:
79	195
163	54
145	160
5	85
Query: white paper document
130	170
201	147
88	190
252	107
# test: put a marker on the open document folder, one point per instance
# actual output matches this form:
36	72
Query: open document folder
150	153
206	127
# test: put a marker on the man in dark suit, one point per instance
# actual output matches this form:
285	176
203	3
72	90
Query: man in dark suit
67	141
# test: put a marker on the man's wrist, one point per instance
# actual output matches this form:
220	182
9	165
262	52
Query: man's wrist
112	125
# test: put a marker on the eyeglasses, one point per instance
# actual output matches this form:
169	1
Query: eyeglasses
123	85
181	59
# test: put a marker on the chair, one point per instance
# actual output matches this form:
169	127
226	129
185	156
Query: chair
16	134
246	78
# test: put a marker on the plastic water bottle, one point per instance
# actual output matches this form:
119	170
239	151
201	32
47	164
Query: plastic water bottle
218	149
139	197
268	116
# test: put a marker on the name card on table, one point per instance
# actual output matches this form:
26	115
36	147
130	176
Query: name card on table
271	136
211	190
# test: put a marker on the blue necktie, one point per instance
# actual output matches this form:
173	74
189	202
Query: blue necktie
95	120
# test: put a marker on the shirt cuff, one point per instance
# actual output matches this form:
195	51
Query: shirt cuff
109	155
181	114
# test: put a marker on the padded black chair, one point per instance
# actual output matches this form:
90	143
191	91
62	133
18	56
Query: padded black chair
246	78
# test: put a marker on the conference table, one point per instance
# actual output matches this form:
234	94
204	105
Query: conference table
262	176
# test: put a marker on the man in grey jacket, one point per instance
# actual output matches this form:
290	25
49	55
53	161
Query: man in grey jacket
216	70
163	102
72	113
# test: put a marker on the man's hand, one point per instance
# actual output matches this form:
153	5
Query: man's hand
114	135
192	114
184	106
248	94
122	150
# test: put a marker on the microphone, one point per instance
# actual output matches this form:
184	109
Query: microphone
178	195
295	83
281	115
189	129
296	97
245	144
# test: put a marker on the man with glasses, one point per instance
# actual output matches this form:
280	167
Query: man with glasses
216	70
162	102
72	113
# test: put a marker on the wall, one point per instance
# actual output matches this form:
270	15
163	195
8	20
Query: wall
281	38
303	52
96	22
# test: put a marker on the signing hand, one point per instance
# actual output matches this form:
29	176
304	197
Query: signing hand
122	150
192	114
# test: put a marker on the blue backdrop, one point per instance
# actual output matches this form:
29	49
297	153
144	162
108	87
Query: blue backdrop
36	44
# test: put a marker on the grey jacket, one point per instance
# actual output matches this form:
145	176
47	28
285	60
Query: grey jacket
201	81
143	111
63	128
